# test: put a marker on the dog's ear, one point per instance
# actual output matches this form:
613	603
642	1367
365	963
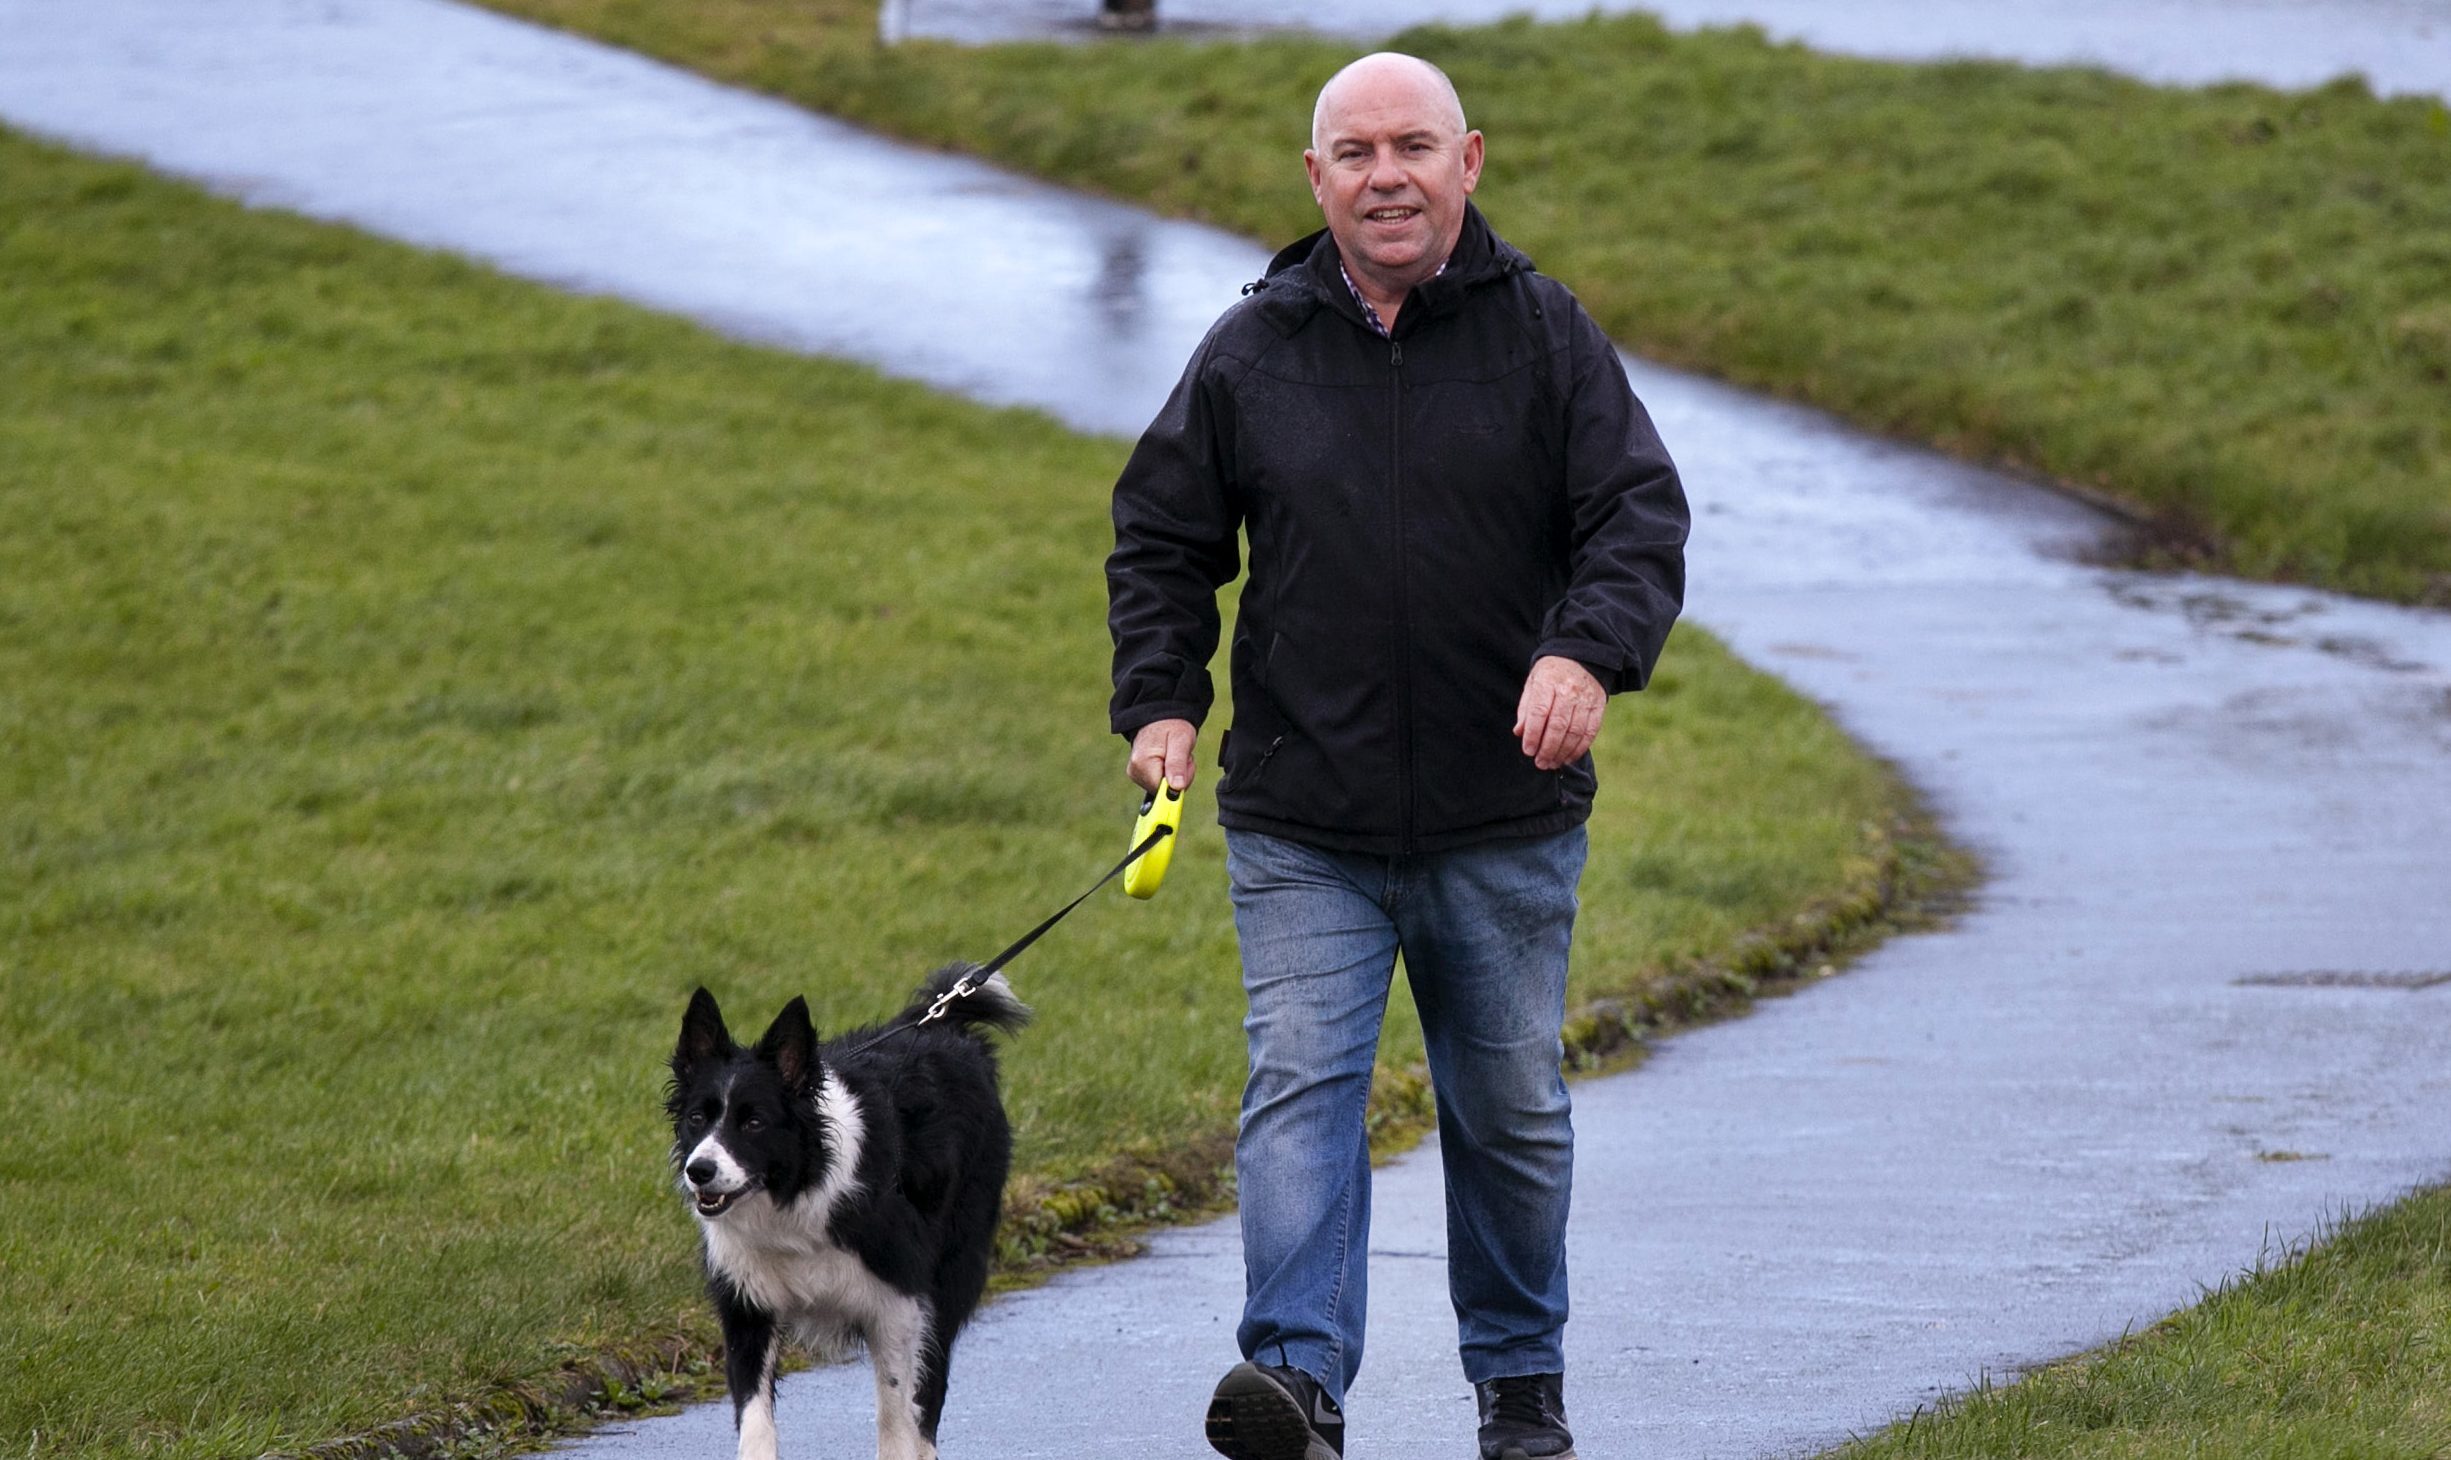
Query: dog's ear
703	1036
791	1042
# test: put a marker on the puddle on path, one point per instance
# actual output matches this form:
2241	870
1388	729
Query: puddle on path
2399	45
1983	1147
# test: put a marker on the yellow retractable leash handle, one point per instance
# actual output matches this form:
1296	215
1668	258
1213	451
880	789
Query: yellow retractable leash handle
1162	807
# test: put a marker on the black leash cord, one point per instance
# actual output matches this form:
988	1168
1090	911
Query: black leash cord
969	983
1156	835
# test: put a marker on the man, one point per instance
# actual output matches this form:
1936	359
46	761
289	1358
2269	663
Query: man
1464	536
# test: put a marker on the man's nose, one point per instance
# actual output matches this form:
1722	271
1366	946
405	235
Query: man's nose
1385	175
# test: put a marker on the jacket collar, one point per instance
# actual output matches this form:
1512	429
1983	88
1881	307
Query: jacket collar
1304	278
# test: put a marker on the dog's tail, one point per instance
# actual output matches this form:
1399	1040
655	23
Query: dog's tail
990	1004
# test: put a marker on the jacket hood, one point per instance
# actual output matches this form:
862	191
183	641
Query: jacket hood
1304	274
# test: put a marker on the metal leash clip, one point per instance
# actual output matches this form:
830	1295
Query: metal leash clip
962	988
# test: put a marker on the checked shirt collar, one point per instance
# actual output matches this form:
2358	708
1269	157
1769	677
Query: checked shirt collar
1370	314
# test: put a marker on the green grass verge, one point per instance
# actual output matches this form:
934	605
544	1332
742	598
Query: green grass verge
2343	1354
2229	308
414	681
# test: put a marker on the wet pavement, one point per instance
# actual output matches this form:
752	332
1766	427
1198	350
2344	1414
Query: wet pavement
2202	1004
2399	45
600	171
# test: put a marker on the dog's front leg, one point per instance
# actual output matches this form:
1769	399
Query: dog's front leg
750	1345
897	1344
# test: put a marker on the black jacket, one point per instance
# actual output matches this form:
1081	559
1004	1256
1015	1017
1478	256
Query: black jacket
1427	516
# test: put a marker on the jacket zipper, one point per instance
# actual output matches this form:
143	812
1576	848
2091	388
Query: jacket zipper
1252	776
1403	615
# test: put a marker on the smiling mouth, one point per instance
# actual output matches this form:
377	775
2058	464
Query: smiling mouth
1390	215
716	1203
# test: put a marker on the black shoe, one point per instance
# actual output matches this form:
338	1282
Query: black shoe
1524	1418
1260	1413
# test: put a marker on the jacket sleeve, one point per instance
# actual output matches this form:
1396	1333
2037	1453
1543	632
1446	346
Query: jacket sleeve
1627	523
1176	525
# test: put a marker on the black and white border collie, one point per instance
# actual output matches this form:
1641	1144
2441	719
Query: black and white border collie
846	1195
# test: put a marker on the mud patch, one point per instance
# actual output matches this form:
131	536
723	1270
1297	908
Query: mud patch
2325	978
2235	610
2372	653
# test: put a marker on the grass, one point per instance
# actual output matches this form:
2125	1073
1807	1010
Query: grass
2342	1354
2224	308
413	682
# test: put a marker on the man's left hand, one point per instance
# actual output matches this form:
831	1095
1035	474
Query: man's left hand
1559	715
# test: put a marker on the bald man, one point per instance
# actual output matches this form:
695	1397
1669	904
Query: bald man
1464	536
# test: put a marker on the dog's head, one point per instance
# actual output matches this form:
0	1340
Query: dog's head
744	1120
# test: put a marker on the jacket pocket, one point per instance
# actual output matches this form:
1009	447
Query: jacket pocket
1246	777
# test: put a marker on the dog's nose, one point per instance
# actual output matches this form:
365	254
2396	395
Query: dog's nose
700	1171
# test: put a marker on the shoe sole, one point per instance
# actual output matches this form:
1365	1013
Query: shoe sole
1516	1452
1253	1418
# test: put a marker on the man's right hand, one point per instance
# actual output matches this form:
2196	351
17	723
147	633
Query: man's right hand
1161	754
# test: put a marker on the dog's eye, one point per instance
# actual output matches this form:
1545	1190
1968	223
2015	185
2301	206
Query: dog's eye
753	1122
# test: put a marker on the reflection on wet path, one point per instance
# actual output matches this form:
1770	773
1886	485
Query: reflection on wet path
1982	1147
2401	45
599	170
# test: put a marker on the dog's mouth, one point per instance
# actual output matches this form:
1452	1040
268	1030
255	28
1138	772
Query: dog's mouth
716	1203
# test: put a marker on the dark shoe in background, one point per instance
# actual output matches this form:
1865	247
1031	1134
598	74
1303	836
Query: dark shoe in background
1524	1418
1127	14
1263	1413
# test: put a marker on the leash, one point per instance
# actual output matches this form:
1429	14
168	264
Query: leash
969	982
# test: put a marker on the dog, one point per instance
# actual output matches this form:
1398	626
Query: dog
846	1193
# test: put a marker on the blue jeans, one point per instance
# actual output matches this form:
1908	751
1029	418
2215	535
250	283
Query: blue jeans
1484	931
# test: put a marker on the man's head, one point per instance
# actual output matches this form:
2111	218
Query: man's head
1391	163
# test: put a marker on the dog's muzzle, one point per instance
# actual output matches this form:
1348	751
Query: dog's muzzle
709	1201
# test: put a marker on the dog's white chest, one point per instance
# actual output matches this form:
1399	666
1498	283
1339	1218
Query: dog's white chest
820	1290
830	1300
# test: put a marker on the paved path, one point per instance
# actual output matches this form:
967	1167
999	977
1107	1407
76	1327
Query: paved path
2400	45
2110	1083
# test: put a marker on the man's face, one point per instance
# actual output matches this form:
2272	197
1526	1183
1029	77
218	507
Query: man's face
1391	170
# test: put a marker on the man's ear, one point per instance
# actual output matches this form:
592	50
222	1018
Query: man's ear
703	1036
791	1043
